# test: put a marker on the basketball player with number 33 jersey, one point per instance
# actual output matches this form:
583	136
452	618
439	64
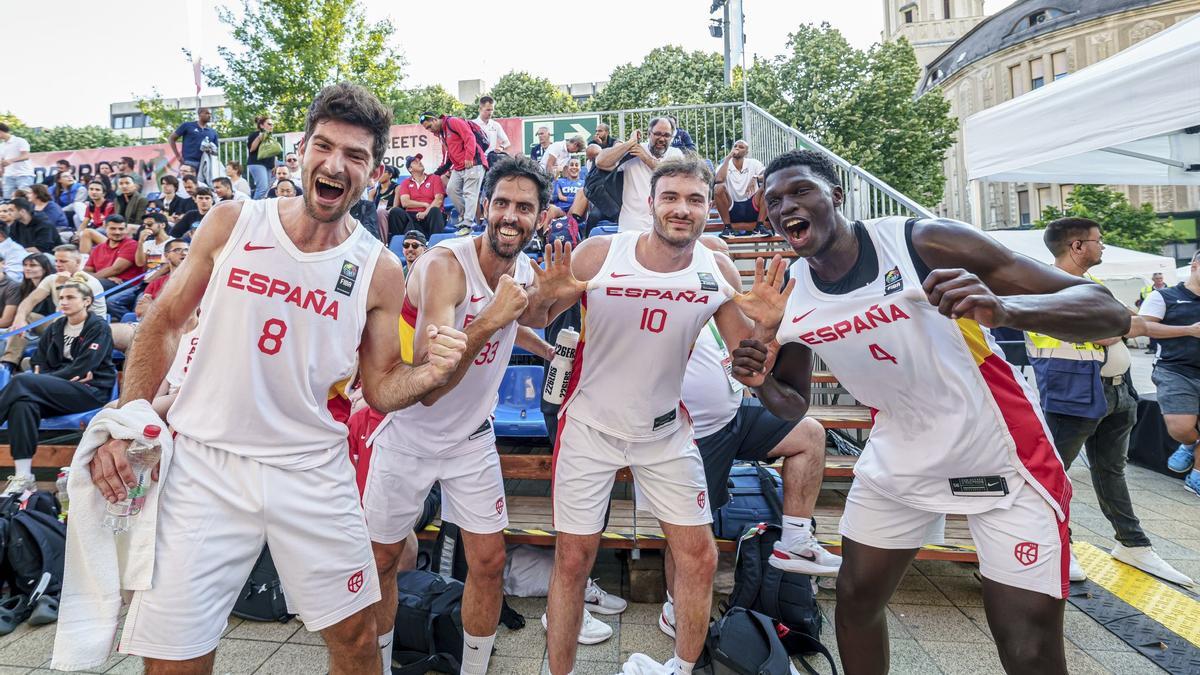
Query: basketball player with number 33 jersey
293	293
899	309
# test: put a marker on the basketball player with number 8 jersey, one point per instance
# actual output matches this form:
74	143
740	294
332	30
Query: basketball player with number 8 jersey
294	292
899	309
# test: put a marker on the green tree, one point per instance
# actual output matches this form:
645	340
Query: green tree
434	98
519	94
75	138
667	76
1125	225
290	49
167	118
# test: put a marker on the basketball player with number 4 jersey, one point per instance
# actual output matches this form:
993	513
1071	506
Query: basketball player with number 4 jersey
647	297
293	292
483	286
899	309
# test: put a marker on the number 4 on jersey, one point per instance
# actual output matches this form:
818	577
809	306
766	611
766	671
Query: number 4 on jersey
880	354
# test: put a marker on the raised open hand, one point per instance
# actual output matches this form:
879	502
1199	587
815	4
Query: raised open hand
766	300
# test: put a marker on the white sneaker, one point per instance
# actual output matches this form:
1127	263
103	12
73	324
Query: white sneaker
1147	560
1076	572
592	632
807	558
599	601
640	664
666	619
19	484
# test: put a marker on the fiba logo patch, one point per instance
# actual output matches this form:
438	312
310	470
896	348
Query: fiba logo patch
892	282
1026	553
355	583
500	506
700	499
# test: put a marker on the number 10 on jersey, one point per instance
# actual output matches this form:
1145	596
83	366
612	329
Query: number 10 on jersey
653	320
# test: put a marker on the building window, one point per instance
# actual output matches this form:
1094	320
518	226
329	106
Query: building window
1043	198
1017	79
1036	19
945	9
1023	207
1058	62
1037	73
908	16
1064	192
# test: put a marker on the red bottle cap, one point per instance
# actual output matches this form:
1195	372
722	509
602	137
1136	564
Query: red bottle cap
151	431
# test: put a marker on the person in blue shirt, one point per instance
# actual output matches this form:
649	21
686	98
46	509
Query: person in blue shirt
567	186
193	135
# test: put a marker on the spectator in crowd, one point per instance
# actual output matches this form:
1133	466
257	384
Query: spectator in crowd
292	162
498	142
223	189
465	160
260	168
152	239
284	188
635	196
10	294
72	373
39	295
12	252
539	147
601	140
36	269
190	185
171	203
191	220
566	188
283	173
44	204
51	178
15	166
114	262
384	190
1088	398
186	170
175	252
737	192
130	203
69	195
99	206
555	159
7	213
193	134
129	168
31	229
234	171
1172	316
418	204
1156	284
414	244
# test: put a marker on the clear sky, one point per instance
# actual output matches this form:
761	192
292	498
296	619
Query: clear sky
89	54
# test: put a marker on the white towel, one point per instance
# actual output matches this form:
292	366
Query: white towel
96	571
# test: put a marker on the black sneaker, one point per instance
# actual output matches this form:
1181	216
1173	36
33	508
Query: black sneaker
761	231
727	231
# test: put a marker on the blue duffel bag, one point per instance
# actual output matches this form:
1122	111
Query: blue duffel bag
755	496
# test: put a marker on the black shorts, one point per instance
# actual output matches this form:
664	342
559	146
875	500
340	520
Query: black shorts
743	212
750	436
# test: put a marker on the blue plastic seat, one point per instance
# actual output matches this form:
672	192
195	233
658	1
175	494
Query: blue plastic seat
519	411
603	228
75	421
396	245
440	236
517	351
151	196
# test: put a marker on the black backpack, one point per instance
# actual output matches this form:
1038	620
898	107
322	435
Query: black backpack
429	633
262	598
36	545
449	558
787	598
605	191
744	642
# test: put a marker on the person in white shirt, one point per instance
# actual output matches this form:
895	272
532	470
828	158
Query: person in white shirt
638	167
736	196
234	171
14	162
497	139
557	156
14	253
223	187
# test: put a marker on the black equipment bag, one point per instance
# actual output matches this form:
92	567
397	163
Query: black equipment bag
262	598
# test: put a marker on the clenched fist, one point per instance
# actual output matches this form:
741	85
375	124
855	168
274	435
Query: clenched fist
446	349
509	303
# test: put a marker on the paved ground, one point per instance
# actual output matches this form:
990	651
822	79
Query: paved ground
936	618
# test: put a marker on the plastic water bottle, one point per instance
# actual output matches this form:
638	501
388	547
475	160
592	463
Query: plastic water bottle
559	373
142	456
61	488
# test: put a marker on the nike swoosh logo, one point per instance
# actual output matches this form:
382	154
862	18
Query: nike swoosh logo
477	299
470	646
618	276
801	317
252	247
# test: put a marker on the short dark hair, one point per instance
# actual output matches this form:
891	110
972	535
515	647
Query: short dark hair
114	218
817	163
518	166
170	180
486	99
124	175
22	205
1061	232
158	216
223	180
352	104
62	161
3	128
129	161
237	166
688	166
170	245
204	191
289	181
40	191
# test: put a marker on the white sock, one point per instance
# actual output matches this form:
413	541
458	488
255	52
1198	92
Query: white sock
683	667
476	653
669	598
796	531
385	652
24	466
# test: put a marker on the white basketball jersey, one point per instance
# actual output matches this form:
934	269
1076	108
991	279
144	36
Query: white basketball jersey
957	428
184	355
279	328
638	329
465	411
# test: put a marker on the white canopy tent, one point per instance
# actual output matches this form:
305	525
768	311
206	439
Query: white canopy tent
1131	119
1123	271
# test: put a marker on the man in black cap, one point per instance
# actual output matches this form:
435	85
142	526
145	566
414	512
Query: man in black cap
418	204
415	244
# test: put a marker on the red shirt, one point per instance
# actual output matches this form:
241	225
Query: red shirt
104	255
95	216
458	142
155	287
425	192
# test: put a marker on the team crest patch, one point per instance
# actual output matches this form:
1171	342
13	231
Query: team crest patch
346	278
892	282
1026	553
355	583
700	499
707	282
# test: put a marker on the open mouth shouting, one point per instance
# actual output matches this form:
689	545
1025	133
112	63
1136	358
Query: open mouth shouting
796	230
329	191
